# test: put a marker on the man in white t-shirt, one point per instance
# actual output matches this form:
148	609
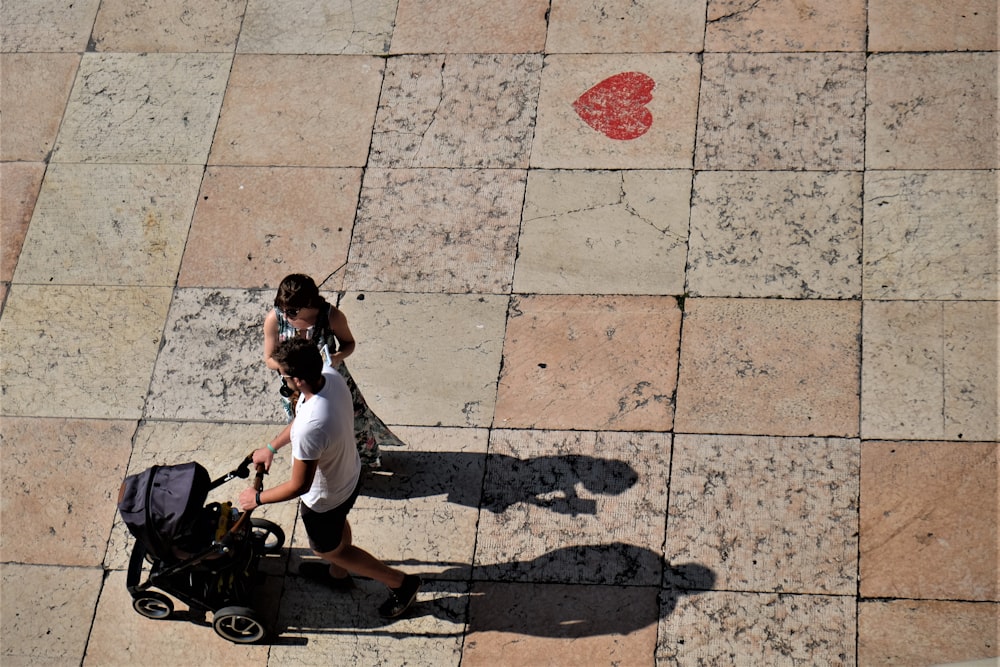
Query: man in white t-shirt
326	473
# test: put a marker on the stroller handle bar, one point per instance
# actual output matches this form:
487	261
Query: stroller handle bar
258	485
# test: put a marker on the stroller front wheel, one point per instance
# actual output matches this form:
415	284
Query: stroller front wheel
268	535
153	605
238	625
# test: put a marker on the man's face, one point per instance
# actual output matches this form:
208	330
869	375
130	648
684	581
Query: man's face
291	382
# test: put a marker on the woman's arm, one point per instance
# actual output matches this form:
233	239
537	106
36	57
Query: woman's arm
338	325
270	339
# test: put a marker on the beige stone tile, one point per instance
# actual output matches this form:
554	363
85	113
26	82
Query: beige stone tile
930	235
927	25
252	223
929	520
471	26
531	624
341	27
758	629
604	232
54	365
427	359
766	514
469	217
911	632
457	111
179	26
766	111
626	26
574	507
143	108
33	96
21	182
929	371
310	111
785	25
589	362
775	234
770	367
563	139
46	25
932	111
47	612
132	219
69	508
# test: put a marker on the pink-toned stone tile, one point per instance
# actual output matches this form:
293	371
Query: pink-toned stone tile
457	111
331	27
930	370
775	234
769	111
626	26
46	25
253	225
766	514
67	510
471	26
181	26
928	25
932	111
531	624
33	97
929	520
573	507
469	217
591	362
313	111
46	613
785	25
563	139
924	632
770	367
20	182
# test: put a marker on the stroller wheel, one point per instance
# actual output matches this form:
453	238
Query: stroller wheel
268	535
153	605
238	625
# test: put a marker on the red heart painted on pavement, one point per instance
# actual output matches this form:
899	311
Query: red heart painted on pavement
616	106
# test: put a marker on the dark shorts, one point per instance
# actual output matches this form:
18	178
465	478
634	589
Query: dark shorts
326	529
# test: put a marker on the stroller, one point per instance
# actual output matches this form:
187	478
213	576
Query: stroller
204	555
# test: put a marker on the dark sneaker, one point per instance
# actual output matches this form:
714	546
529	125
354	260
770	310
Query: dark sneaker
401	598
320	573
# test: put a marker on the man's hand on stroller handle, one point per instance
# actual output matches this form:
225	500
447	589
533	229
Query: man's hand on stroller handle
264	456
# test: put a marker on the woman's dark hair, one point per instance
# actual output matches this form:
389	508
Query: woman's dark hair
297	291
301	358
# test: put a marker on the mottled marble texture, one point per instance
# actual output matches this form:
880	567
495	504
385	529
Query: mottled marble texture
33	96
143	108
626	26
603	232
930	235
338	27
594	362
134	218
770	367
473	26
728	628
929	25
932	111
573	507
775	234
456	111
930	370
564	141
785	25
53	366
295	110
923	632
766	111
21	182
47	613
46	25
929	520
185	26
254	225
766	514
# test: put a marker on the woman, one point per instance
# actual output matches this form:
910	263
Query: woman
300	312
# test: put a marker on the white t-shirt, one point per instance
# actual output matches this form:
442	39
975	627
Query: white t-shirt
323	431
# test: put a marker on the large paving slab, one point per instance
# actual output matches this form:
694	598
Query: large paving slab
590	362
46	25
21	183
626	26
341	27
176	26
785	25
471	26
928	25
33	96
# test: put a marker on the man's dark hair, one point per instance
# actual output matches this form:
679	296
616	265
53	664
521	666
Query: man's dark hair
301	358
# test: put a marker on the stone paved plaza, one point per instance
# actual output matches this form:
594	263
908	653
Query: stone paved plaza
686	311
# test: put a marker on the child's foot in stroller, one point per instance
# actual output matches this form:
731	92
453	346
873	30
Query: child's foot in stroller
320	573
401	598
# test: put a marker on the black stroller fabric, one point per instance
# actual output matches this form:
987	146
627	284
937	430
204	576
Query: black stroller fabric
163	507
